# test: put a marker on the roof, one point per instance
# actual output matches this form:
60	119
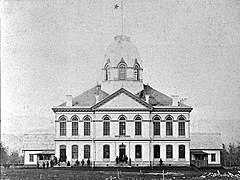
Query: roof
156	98
198	152
122	49
87	98
38	142
122	90
205	141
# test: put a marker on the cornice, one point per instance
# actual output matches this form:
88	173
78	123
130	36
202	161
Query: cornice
87	109
71	109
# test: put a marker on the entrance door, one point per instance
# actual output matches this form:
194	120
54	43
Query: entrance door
63	156
122	152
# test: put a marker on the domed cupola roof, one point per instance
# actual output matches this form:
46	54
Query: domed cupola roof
122	50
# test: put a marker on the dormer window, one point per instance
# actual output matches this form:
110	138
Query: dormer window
136	72
107	73
122	71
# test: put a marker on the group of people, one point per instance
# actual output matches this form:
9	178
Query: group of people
46	165
83	162
122	159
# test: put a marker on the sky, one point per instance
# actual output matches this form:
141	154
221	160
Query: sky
51	48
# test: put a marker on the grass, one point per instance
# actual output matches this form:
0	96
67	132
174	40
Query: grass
99	173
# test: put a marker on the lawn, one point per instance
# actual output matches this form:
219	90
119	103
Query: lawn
114	173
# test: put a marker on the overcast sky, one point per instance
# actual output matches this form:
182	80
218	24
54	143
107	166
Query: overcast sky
51	48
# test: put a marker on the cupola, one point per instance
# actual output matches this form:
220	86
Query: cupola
122	66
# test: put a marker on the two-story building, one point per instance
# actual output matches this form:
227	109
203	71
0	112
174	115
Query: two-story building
123	118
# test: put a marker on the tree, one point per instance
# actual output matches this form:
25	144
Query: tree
14	158
4	155
231	155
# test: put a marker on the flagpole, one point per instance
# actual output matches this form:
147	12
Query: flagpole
122	15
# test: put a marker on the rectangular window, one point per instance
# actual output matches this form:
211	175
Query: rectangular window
181	128
169	151
156	128
86	128
86	151
138	151
213	157
74	128
106	151
106	128
30	157
122	130
74	152
181	152
156	149
138	128
62	128
169	131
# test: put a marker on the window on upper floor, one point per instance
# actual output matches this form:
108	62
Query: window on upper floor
106	151
156	126
169	127
74	125
63	126
87	151
122	126
87	127
138	151
122	71
30	157
181	128
169	151
181	125
74	152
156	151
181	151
106	126
213	157
138	126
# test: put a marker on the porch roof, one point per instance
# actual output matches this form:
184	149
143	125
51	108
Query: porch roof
198	152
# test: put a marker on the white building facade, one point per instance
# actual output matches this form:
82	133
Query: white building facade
123	118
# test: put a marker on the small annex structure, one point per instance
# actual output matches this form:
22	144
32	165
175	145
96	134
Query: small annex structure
206	149
38	148
122	121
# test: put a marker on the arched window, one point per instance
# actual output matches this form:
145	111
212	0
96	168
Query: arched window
136	72
106	151
106	126
138	151
74	152
63	125
122	126
87	152
181	151
122	71
87	128
74	125
138	126
107	72
169	151
169	128
156	126
181	125
156	149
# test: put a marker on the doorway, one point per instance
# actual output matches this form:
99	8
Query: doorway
122	152
63	156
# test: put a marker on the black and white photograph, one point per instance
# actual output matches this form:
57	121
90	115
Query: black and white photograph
120	89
